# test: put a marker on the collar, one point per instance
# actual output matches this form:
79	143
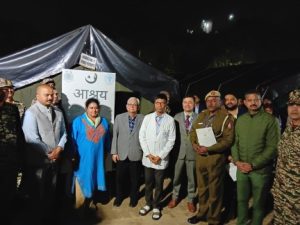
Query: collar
161	116
42	107
132	118
260	111
97	120
188	114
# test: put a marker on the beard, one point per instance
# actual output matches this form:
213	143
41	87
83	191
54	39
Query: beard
232	107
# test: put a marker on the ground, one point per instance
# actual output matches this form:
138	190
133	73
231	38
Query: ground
107	214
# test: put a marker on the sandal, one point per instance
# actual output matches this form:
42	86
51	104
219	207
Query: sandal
156	214
144	210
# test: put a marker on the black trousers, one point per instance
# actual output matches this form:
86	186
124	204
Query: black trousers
153	178
42	183
125	170
8	190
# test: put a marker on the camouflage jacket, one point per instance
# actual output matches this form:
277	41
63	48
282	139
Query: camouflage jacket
11	136
21	108
286	185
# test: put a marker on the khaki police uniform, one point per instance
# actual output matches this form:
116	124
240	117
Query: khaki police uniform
210	168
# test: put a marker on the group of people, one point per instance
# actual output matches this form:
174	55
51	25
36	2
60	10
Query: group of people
248	139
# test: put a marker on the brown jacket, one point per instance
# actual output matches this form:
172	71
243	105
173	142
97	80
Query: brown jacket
223	128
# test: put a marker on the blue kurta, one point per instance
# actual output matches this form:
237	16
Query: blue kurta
90	142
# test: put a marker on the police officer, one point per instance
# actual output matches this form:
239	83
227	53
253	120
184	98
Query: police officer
211	160
285	189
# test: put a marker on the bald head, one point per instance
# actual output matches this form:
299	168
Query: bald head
44	94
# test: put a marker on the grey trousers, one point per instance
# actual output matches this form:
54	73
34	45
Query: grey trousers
191	178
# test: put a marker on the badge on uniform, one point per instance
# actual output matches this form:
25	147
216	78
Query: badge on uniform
229	125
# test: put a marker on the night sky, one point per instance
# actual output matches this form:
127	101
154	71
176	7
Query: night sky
165	34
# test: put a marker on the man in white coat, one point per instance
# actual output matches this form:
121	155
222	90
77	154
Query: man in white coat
157	137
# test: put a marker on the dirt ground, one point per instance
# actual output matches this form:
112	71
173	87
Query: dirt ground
107	214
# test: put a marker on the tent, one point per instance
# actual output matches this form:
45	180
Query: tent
263	77
49	58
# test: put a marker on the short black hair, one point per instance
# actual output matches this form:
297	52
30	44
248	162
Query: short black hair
253	91
189	96
231	93
92	100
161	96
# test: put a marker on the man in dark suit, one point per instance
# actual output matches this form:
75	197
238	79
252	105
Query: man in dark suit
199	107
186	155
229	200
126	151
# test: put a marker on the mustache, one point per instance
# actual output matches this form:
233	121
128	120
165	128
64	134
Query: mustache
253	105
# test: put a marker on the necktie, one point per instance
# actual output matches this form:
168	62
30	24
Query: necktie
158	122
49	114
187	123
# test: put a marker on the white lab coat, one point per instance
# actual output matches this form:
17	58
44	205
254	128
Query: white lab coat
160	144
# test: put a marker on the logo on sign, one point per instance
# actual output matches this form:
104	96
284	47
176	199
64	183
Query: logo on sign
91	78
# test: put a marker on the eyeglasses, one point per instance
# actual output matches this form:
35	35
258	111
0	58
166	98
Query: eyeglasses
130	104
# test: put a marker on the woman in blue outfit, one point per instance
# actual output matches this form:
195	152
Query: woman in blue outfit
90	134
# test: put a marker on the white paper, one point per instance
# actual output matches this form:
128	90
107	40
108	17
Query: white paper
206	136
232	171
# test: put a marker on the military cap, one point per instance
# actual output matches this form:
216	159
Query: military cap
294	97
5	83
212	93
47	81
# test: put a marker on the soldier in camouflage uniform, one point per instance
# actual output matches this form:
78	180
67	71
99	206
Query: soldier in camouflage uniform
286	187
8	87
10	141
10	98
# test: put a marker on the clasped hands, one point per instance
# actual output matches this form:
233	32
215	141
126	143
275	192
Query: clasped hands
244	167
54	153
154	159
201	150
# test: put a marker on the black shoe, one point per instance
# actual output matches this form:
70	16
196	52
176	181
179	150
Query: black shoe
117	202
195	219
133	203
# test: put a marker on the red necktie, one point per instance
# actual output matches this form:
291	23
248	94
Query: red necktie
187	123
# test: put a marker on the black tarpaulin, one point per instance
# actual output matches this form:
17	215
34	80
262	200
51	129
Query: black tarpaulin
49	58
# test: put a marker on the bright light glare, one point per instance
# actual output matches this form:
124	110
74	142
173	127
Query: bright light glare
206	26
189	31
231	17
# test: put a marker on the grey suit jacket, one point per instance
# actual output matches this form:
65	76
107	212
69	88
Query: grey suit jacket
124	143
41	134
185	147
